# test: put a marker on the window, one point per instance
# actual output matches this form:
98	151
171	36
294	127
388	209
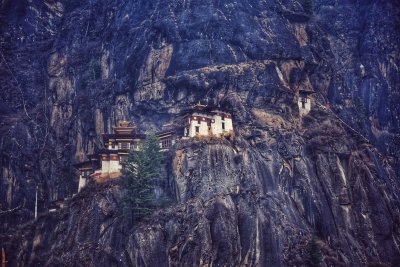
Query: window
198	122
186	131
135	145
197	129
124	145
303	97
166	143
303	104
223	117
223	126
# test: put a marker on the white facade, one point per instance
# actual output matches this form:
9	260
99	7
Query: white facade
82	183
208	124
105	164
85	172
304	103
110	164
115	166
198	124
222	124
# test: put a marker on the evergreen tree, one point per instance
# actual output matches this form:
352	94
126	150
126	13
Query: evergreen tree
313	253
140	170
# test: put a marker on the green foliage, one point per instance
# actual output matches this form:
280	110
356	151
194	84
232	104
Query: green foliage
313	255
140	170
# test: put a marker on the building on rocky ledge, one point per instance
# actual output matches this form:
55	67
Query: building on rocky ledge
117	146
304	101
107	163
86	169
202	120
168	136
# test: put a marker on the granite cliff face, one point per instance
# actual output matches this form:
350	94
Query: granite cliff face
70	70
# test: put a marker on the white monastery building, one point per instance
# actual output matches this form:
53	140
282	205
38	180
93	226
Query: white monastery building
304	102
202	121
107	162
117	146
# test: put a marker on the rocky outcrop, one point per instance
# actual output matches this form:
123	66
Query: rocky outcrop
235	208
71	69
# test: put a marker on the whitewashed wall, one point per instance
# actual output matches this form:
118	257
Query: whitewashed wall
105	166
306	110
82	183
114	165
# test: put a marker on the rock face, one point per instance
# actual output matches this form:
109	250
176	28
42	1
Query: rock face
71	69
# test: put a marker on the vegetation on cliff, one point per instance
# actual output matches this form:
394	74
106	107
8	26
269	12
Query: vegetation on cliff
140	170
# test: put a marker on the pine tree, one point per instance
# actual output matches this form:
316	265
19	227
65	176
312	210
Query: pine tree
151	147
313	253
140	170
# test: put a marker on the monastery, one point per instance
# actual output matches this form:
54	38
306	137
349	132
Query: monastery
205	121
107	162
200	120
304	102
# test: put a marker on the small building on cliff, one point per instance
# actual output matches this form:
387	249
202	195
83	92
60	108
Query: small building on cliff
304	101
117	146
86	169
168	136
107	163
202	120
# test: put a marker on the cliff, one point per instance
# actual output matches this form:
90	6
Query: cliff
70	70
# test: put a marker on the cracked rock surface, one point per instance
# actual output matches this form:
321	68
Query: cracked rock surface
70	70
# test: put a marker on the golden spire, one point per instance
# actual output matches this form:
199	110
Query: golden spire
124	123
199	105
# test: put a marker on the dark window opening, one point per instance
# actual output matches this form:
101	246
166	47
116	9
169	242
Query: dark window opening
223	117
303	104
166	143
197	129
198	122
303	97
223	126
124	145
